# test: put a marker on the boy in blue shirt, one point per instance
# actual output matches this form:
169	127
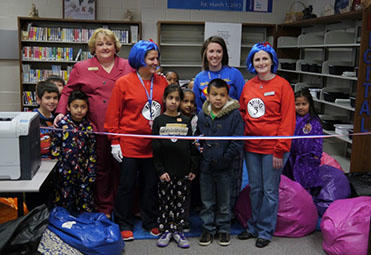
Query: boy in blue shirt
47	98
220	116
47	95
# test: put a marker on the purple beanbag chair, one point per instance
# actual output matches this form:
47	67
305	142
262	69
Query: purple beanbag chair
242	209
297	215
335	186
345	226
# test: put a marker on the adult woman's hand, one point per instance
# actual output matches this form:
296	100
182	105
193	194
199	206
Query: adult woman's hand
116	152
277	163
57	119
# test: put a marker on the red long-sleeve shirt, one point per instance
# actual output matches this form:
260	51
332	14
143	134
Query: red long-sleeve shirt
268	109
128	113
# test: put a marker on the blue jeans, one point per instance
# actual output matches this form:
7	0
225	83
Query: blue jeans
215	196
264	183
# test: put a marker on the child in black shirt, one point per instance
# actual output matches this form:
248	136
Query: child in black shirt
175	160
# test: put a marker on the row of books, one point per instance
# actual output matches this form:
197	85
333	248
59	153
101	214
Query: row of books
53	53
29	98
28	109
60	34
122	35
35	75
57	34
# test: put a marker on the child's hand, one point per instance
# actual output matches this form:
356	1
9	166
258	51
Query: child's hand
191	176
198	145
165	177
57	119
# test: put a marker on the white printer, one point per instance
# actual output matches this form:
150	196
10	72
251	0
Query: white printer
19	145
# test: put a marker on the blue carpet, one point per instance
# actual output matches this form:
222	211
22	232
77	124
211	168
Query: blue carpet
194	219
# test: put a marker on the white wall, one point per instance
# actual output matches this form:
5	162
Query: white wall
147	11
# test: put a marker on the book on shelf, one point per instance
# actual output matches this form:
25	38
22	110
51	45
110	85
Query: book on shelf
27	109
56	69
85	55
26	72
78	55
134	34
29	98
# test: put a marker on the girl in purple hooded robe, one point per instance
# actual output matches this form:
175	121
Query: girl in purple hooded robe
305	155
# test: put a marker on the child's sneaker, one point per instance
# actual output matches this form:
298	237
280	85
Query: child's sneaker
164	239
206	238
155	232
224	239
181	240
127	235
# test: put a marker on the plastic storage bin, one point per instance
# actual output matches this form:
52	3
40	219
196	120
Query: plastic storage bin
332	96
338	70
343	129
315	92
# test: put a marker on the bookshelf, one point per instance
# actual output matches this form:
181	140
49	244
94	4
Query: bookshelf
181	43
49	46
325	54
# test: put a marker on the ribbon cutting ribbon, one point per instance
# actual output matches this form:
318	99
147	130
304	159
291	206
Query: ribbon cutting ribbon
209	137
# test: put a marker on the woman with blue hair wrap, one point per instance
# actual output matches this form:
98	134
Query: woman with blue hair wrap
135	102
267	106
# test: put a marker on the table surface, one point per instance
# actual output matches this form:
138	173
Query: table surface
29	185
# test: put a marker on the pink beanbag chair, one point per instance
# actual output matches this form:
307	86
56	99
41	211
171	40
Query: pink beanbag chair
345	226
297	215
242	209
328	160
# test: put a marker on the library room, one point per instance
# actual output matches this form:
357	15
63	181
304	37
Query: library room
113	112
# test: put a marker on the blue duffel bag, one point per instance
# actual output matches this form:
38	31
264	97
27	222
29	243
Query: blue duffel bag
90	233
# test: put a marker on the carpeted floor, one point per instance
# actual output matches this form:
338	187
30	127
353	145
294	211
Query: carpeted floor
195	221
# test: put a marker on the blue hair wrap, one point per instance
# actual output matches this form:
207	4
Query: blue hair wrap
138	53
265	46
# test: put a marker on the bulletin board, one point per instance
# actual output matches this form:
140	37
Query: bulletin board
9	44
223	5
231	33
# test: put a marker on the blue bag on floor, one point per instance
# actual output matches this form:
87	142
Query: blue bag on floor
90	233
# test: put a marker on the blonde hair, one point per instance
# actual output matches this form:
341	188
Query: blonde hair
107	33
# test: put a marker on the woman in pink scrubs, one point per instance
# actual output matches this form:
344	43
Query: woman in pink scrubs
96	77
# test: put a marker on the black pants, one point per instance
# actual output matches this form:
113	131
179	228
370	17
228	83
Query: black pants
172	198
131	170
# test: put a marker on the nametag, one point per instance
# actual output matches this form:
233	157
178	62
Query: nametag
270	93
93	68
